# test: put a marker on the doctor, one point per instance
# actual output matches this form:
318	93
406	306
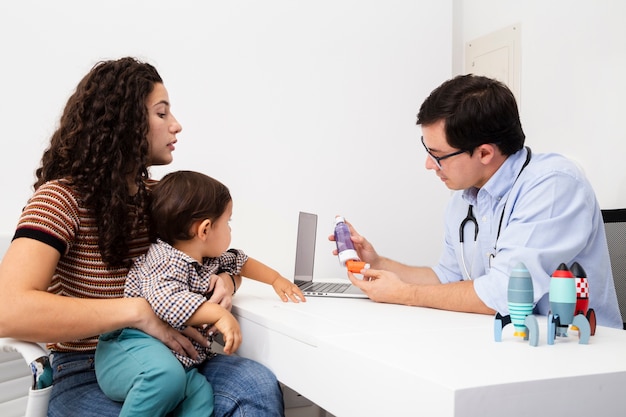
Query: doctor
509	206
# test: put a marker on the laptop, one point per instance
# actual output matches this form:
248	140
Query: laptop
305	257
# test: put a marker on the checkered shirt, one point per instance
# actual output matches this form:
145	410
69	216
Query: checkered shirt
176	285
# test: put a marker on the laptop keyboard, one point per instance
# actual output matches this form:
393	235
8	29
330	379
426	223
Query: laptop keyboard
326	287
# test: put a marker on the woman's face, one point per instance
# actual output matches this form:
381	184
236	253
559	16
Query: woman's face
163	126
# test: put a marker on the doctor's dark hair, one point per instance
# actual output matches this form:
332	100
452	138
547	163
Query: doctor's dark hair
183	197
101	140
476	110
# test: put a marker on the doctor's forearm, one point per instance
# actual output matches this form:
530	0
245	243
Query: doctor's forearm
409	274
457	296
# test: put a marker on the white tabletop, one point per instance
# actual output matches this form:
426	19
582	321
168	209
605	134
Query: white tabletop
354	357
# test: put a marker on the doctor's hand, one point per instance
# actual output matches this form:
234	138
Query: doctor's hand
380	286
363	247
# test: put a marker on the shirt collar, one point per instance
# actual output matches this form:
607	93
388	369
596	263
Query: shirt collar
178	253
501	181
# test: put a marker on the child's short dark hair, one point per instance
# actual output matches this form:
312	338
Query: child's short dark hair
183	197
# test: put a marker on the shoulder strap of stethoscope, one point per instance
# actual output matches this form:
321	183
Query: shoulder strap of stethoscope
528	157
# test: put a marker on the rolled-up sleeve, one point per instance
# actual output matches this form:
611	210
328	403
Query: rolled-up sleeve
232	261
548	222
548	216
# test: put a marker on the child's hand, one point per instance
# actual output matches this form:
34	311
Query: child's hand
287	290
228	326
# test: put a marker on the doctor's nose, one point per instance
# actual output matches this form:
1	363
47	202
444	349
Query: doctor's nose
430	164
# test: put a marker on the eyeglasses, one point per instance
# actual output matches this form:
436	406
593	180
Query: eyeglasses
437	159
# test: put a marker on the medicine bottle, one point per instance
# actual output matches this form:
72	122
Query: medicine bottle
345	248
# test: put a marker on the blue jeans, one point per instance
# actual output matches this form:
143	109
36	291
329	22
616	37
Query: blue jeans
241	387
138	370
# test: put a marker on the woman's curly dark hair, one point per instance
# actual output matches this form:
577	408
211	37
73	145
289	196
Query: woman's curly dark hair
100	144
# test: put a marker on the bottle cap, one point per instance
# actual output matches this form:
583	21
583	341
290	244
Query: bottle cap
339	219
356	266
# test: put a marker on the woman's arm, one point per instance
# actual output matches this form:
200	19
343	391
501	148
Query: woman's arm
29	312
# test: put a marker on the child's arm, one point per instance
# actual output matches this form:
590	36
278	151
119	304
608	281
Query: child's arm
219	317
285	289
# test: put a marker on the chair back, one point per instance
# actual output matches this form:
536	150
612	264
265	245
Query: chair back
615	226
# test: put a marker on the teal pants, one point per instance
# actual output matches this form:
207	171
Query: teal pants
140	371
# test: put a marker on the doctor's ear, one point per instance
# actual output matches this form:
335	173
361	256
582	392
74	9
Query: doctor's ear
487	151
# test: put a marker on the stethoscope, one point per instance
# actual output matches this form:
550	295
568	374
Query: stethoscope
470	218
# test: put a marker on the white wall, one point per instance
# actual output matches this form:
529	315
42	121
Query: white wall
294	105
312	105
572	79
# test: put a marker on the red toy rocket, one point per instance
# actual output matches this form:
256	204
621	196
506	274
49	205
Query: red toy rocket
582	296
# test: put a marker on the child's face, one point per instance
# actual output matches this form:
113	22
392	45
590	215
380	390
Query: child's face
219	239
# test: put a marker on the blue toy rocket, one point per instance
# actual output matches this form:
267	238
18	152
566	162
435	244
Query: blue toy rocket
562	298
521	303
520	296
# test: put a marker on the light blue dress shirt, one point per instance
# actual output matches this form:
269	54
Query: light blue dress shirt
551	216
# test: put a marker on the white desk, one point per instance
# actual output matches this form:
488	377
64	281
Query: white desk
360	358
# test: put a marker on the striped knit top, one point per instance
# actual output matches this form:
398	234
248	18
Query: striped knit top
55	215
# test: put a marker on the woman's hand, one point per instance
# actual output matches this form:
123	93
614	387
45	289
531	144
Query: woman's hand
171	337
221	294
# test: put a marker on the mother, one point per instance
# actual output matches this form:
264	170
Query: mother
62	277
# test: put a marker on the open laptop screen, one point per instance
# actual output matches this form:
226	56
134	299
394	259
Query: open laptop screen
305	246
